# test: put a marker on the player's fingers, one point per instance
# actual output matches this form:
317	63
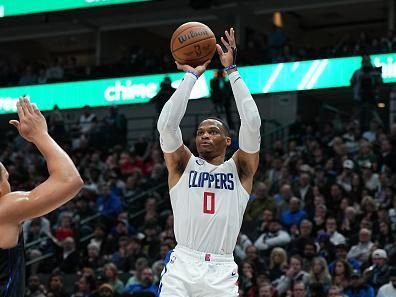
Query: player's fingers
15	123
35	109
232	39
29	106
229	38
219	50
207	63
24	106
226	44
20	110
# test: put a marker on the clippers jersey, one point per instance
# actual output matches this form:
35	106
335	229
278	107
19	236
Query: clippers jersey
208	204
12	270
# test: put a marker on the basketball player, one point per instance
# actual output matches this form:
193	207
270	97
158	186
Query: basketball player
63	183
208	195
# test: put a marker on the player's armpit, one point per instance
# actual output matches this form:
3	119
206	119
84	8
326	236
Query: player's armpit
176	162
247	165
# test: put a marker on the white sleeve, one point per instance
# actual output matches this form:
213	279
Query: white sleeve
249	132
260	244
172	113
283	238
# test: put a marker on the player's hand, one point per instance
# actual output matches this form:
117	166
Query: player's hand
199	69
31	124
227	57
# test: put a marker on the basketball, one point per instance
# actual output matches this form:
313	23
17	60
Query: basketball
193	43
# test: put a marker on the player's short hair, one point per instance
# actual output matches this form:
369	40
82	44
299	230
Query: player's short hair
224	124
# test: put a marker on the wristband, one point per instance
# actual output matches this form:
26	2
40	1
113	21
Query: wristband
196	74
232	66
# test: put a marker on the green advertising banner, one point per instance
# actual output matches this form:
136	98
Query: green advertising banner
294	76
18	7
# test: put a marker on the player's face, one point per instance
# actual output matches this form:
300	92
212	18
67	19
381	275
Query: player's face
211	139
5	187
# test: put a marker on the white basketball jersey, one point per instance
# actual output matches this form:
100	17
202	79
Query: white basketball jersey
208	205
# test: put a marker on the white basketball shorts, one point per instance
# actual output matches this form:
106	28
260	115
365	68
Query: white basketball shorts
188	273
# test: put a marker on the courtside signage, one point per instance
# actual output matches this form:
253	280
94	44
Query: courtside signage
293	76
18	7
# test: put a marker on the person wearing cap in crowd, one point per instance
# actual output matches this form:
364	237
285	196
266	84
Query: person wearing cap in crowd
357	287
389	290
378	274
346	176
341	252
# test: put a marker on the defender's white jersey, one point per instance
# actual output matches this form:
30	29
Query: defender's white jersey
208	204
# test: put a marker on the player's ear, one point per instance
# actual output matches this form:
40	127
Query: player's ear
228	140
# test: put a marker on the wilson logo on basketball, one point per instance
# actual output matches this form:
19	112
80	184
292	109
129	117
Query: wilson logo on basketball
192	34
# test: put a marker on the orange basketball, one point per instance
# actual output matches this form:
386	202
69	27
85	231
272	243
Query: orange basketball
193	43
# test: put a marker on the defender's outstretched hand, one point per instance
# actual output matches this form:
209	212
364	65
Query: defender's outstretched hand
227	57
199	69
31	124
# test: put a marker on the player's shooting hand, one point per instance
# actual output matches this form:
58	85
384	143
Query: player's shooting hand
227	57
199	69
31	124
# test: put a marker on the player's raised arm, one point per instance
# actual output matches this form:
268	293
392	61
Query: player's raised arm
247	157
63	182
175	153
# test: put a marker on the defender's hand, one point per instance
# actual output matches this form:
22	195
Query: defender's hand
199	69
227	57
31	124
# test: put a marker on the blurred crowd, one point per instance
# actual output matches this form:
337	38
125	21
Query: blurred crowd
321	220
274	47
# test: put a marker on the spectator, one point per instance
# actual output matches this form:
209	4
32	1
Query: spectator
320	274
108	203
292	216
304	236
105	290
274	237
165	92
299	289
35	288
341	252
260	201
278	263
111	278
86	120
55	286
293	274
55	70
68	258
86	287
146	284
341	273
358	288
390	288
378	274
331	230
362	250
